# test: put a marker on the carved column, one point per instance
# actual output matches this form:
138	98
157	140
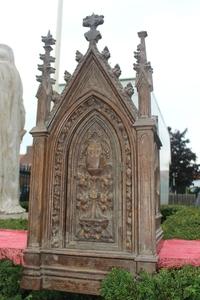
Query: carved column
32	253
37	186
146	195
145	129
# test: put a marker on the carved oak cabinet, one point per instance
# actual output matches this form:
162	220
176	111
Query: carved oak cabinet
94	200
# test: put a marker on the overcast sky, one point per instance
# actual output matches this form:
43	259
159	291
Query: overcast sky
173	47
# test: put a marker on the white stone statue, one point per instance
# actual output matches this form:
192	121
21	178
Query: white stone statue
12	119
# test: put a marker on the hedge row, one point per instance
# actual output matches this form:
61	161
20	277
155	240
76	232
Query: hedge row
184	223
169	210
166	285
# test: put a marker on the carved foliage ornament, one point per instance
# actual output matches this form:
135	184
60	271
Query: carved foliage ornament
106	53
94	201
78	56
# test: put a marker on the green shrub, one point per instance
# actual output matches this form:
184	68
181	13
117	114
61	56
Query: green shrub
166	285
14	224
168	210
56	295
119	285
10	276
184	224
17	297
25	205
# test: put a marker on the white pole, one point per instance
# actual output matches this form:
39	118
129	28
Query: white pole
58	42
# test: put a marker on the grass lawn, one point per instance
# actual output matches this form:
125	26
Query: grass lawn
14	224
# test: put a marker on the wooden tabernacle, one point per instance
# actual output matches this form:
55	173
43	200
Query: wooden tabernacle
94	199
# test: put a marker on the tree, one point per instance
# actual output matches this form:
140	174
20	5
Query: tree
183	168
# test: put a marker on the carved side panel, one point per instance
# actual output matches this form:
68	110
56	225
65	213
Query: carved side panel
156	179
157	191
146	193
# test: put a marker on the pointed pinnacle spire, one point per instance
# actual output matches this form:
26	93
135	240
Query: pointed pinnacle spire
48	40
45	91
144	82
93	35
47	59
142	65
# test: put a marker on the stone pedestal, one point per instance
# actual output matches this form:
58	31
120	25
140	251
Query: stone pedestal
23	215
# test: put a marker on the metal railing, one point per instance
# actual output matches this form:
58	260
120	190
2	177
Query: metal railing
24	182
182	199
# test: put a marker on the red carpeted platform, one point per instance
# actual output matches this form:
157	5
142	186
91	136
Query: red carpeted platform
12	244
172	253
176	253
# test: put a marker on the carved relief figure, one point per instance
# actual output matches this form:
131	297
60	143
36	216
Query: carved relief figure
95	187
93	158
12	119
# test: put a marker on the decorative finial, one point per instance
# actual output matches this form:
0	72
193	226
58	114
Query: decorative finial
106	53
79	56
46	68
117	71
144	82
142	64
67	76
129	90
140	54
93	35
48	40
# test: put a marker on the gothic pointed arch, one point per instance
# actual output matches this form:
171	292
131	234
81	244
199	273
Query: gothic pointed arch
96	176
100	128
